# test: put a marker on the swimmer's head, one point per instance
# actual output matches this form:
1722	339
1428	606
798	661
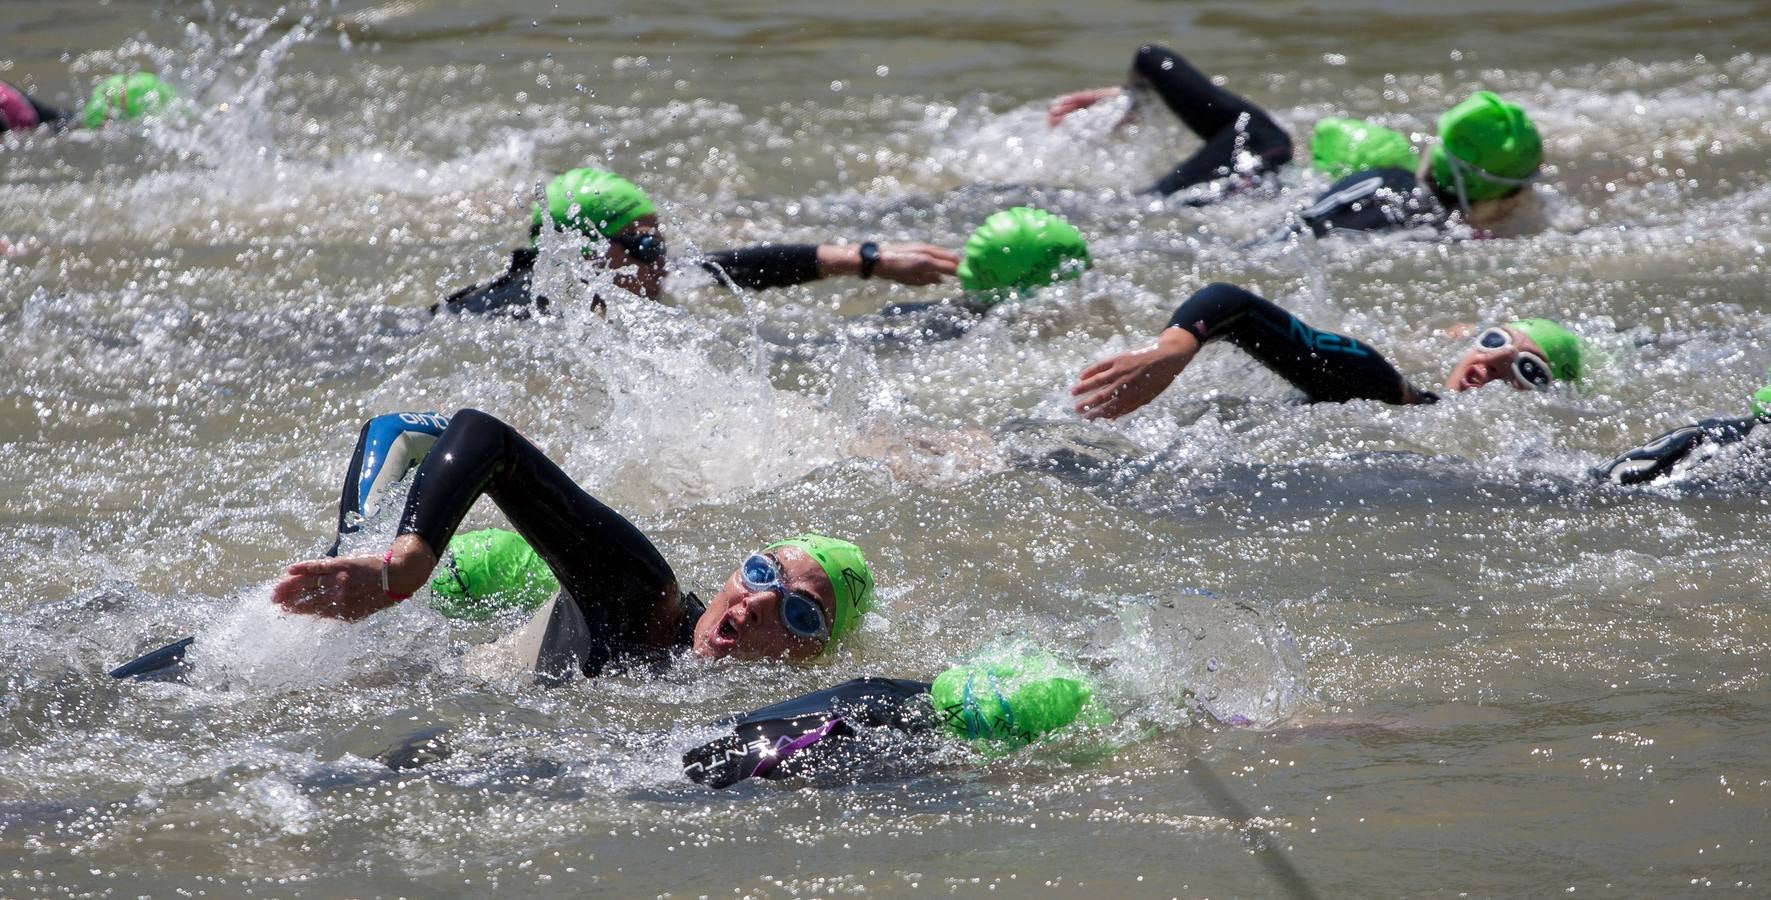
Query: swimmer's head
1488	148
796	599
618	220
1018	249
489	572
1341	147
1529	354
1010	697
123	97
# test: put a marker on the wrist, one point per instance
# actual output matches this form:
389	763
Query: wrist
869	254
838	260
405	567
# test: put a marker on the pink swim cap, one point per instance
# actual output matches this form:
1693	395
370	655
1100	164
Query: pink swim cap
16	112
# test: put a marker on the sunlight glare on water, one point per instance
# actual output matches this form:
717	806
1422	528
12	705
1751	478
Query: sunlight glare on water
1459	664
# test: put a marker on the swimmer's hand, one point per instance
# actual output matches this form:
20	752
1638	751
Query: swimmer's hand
912	263
1121	384
350	588
1069	103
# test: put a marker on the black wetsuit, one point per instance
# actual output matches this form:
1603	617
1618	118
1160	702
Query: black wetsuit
914	324
818	731
1376	200
764	266
616	578
1228	124
1327	367
1658	457
46	115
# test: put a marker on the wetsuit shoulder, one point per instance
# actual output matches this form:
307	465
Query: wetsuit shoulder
1374	200
1659	457
507	295
1326	366
765	265
808	732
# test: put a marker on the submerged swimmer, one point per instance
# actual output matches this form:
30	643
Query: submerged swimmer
1189	657
619	601
1482	167
1243	144
117	98
1670	451
1529	354
1010	255
624	236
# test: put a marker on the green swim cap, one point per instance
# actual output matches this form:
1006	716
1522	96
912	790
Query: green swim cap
849	576
1011	697
488	572
1561	348
1495	146
123	97
1341	147
593	202
1761	399
1020	248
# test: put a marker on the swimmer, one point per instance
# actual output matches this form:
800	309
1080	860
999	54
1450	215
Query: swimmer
619	601
117	98
1009	256
1015	693
1671	451
1482	167
623	234
1243	145
1528	354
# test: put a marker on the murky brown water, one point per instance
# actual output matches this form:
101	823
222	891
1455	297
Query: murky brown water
1512	682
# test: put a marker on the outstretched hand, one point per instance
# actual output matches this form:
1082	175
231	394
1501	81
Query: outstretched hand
1069	103
915	263
351	588
1122	384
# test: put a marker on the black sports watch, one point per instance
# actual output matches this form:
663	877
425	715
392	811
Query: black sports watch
869	258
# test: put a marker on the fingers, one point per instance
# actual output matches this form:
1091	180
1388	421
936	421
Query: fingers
1096	368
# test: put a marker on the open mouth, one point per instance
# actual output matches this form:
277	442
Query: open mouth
726	634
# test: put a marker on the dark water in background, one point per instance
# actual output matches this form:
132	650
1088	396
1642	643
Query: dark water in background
1531	684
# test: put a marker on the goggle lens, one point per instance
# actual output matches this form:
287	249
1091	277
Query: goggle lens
646	248
1532	371
801	614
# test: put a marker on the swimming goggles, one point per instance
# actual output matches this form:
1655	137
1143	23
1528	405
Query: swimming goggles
1528	368
646	247
801	614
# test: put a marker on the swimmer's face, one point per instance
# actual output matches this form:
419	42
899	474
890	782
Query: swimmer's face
1480	365
746	624
643	277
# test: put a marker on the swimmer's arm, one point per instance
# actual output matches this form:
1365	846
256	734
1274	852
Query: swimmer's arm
780	266
1326	366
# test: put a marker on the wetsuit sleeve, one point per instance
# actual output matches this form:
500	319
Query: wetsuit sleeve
1658	457
815	732
620	581
765	266
1328	367
507	295
1227	123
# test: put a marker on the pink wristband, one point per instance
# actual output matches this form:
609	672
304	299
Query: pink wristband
386	560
